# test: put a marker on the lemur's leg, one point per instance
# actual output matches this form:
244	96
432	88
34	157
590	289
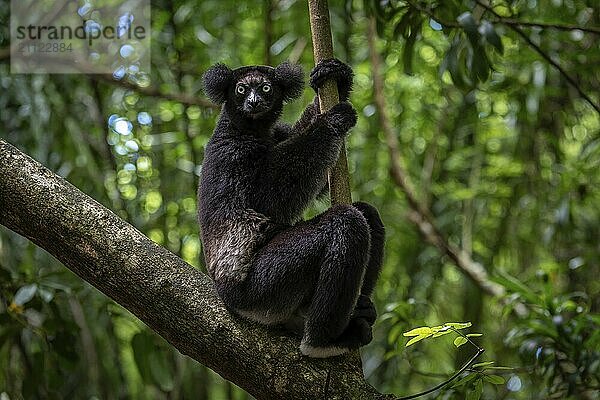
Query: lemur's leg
377	231
317	265
283	275
364	314
342	271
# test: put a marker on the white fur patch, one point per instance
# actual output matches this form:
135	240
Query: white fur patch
322	352
230	250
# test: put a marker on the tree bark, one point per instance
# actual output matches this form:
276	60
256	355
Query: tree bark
339	178
170	296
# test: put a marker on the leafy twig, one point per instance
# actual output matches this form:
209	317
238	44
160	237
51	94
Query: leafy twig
509	21
466	365
546	25
542	53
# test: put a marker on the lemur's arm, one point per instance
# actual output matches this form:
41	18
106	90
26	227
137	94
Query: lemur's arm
283	131
327	69
299	164
308	116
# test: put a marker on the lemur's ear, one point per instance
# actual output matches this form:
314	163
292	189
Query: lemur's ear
216	82
291	78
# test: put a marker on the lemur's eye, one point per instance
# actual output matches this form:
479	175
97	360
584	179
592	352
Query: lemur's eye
240	89
266	88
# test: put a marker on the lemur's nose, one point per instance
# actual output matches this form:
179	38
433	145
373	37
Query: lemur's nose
253	99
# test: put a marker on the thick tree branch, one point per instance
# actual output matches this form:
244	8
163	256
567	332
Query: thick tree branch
420	214
171	297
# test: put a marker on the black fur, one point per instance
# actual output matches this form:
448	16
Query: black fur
258	177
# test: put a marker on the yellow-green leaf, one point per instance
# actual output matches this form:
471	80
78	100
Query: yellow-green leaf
482	364
459	341
441	333
424	330
458	325
417	339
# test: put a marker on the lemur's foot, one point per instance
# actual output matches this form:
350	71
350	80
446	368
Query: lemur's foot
336	70
358	333
365	310
341	117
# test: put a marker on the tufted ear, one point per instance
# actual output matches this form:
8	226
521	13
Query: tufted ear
216	82
291	79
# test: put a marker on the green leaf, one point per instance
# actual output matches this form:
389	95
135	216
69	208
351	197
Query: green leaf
486	29
482	364
424	330
464	380
417	339
469	25
402	27
25	294
474	334
441	333
480	64
454	62
394	333
160	372
516	286
544	327
409	46
459	341
458	325
475	394
142	346
494	379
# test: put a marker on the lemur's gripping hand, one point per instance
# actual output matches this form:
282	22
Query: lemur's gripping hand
340	118
336	70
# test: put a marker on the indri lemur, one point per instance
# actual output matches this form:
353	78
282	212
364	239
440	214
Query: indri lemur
258	177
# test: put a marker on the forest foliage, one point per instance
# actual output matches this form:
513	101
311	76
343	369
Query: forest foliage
492	139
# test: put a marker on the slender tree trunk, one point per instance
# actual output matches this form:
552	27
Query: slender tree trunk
339	178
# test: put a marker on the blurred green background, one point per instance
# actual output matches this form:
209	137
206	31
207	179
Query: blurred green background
501	151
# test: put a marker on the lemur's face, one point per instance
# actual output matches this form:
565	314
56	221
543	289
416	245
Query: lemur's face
254	94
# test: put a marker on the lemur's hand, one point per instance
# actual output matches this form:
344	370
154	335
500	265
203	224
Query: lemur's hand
341	118
336	70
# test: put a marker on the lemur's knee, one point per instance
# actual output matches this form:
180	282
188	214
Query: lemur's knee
372	216
349	228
